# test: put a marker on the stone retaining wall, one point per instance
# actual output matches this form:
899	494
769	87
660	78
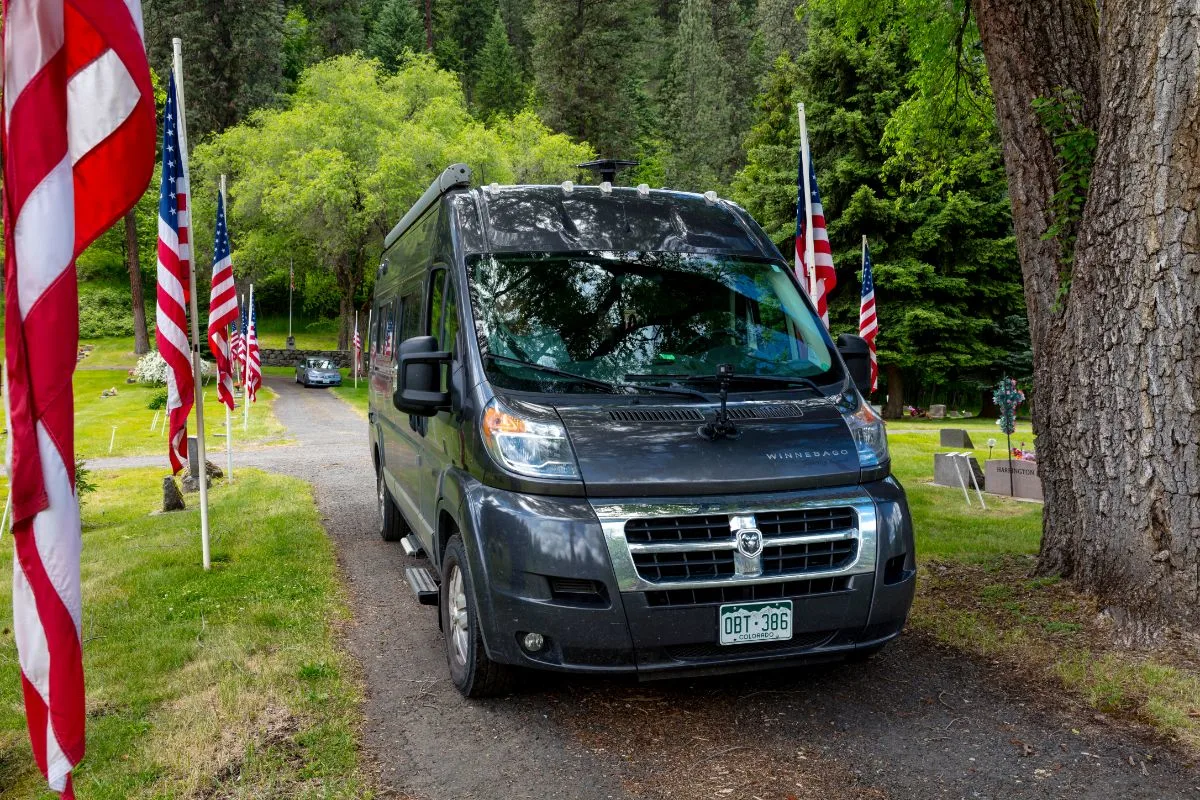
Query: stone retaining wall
289	358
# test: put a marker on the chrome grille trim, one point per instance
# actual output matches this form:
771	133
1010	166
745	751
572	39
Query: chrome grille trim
613	515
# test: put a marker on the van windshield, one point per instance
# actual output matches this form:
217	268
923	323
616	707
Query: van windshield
561	322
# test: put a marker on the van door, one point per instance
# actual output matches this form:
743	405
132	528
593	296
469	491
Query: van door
441	444
403	432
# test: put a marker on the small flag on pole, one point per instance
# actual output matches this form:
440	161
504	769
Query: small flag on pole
810	215
868	323
357	346
170	331
222	306
77	128
253	358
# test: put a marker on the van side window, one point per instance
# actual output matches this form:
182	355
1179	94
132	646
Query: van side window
410	319
449	334
437	283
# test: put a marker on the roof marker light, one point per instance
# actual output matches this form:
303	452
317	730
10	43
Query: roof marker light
493	188
606	188
568	187
710	197
643	190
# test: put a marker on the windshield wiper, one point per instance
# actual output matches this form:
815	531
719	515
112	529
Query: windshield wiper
779	380
599	384
682	391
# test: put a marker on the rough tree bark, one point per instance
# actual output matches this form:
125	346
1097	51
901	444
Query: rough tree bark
894	408
141	338
1117	362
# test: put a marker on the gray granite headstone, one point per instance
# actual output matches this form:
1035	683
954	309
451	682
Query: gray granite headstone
937	411
948	466
1025	480
956	437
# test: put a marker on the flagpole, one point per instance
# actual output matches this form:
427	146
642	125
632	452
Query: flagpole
806	167
864	253
246	373
228	411
355	348
177	45
291	288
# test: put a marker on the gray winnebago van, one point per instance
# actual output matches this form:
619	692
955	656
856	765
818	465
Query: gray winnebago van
614	425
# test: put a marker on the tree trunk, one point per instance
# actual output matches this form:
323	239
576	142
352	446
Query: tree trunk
894	408
141	338
1115	362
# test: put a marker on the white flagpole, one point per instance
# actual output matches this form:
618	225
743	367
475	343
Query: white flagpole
177	44
228	412
355	349
806	167
246	372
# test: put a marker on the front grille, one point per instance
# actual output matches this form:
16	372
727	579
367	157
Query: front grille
694	565
709	650
578	590
745	593
678	529
780	560
802	521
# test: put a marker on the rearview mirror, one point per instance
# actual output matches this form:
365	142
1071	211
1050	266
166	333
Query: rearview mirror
419	377
857	354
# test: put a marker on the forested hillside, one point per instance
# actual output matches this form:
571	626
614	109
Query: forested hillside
330	118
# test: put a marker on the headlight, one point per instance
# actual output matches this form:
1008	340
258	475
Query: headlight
870	436
535	448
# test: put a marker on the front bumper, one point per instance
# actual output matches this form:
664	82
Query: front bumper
561	568
323	380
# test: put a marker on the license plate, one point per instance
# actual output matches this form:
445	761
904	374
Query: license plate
743	623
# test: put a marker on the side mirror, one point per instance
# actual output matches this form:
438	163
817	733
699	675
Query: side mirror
857	354
419	377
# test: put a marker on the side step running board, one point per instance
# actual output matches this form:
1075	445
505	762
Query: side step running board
421	581
412	546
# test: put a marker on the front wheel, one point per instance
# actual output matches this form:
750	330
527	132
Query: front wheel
390	526
473	673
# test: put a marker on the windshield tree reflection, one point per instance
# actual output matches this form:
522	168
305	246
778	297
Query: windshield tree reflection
608	315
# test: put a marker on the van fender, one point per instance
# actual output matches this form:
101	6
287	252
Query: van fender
455	489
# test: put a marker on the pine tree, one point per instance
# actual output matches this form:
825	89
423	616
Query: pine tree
589	63
460	28
516	19
498	87
701	135
397	29
945	261
232	56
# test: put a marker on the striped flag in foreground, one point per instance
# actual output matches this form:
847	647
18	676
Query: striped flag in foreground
253	377
868	323
174	253
222	306
826	277
77	136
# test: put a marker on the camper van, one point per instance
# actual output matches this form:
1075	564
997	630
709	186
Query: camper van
613	425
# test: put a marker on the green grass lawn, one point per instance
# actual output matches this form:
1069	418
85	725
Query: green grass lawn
309	334
356	397
95	416
945	526
229	684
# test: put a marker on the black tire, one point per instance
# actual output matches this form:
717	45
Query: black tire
471	671
391	526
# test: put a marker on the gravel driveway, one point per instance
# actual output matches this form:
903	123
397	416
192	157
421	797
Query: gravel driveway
917	722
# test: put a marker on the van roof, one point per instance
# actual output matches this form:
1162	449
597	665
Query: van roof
568	218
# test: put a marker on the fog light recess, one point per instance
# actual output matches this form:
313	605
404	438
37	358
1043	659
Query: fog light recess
533	642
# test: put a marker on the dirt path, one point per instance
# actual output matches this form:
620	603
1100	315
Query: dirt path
918	722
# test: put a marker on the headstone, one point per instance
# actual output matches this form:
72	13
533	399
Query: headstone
192	484
937	411
948	466
957	438
172	498
1025	481
193	456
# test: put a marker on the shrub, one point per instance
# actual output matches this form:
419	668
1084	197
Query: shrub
158	401
104	311
84	485
151	369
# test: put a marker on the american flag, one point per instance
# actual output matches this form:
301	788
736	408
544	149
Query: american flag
237	344
868	323
253	375
174	253
826	278
357	347
77	135
222	306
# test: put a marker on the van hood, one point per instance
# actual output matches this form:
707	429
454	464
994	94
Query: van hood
648	450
